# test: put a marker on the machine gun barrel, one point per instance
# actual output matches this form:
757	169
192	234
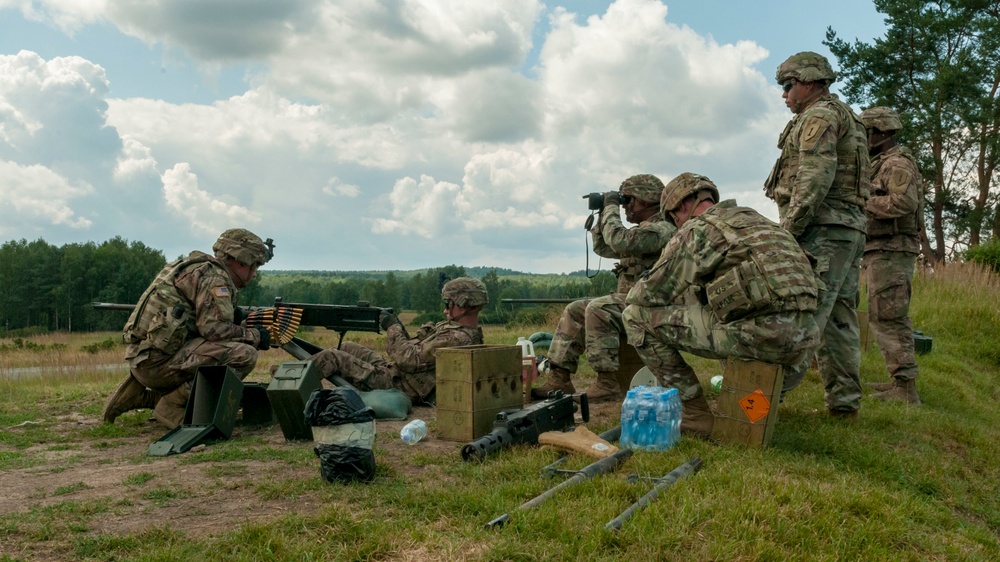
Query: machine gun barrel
663	483
525	425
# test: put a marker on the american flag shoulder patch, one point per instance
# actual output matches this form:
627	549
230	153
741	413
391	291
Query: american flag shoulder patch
221	291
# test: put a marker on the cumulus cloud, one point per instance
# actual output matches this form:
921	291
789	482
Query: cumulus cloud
36	193
135	160
205	212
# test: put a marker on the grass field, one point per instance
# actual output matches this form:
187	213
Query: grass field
902	483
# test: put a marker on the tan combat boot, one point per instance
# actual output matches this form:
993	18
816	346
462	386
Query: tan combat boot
170	409
881	386
903	390
130	395
558	379
604	389
697	419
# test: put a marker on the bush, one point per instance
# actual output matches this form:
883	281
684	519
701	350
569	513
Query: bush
987	254
99	346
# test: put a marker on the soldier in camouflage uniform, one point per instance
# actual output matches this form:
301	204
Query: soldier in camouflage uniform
187	319
760	289
410	366
895	214
820	183
594	325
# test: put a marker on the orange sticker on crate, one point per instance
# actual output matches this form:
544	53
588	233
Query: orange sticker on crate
755	405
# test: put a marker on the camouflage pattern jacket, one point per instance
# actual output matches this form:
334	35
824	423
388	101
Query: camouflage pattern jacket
636	248
191	297
895	210
744	263
417	355
822	176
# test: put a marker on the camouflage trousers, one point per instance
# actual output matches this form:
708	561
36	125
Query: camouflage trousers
171	375
367	369
660	333
591	326
838	252
164	373
890	283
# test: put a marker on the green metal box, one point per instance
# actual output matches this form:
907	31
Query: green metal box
475	383
211	411
288	393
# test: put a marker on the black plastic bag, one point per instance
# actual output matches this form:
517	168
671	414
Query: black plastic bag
335	406
345	454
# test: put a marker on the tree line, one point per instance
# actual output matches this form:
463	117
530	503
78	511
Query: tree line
45	288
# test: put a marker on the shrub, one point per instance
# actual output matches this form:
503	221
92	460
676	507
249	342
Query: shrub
987	254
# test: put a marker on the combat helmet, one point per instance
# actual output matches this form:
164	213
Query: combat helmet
644	187
466	292
682	187
806	66
881	118
243	246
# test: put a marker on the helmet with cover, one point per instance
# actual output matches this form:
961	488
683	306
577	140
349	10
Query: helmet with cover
684	186
881	118
243	246
806	66
466	292
644	187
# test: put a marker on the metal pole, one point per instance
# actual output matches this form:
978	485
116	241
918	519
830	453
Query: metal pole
665	482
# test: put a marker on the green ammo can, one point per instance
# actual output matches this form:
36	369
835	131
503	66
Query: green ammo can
288	392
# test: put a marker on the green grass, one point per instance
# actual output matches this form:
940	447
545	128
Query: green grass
902	483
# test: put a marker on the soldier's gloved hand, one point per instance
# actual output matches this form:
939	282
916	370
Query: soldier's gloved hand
265	339
612	198
386	319
238	315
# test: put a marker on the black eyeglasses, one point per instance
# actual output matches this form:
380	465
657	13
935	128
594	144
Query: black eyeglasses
787	86
448	304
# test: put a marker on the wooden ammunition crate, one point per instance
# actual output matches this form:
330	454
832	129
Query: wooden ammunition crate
748	402
474	383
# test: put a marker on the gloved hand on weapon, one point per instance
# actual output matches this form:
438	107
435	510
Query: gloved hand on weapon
265	339
612	198
386	319
238	315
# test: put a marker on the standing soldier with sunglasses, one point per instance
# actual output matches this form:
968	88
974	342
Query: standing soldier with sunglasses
594	326
410	366
820	183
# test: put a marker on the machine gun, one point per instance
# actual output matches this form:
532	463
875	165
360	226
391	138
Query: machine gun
555	413
284	318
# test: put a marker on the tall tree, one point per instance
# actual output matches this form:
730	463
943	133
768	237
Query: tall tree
939	67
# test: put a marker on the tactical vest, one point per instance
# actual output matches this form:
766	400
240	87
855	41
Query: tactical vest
851	184
163	318
631	268
908	224
772	275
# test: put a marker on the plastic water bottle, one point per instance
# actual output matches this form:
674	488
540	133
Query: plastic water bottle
664	422
413	432
646	417
627	438
529	367
676	411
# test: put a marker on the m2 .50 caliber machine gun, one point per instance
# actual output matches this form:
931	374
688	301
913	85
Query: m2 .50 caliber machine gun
511	427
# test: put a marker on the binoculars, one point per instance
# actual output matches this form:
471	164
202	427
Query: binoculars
595	201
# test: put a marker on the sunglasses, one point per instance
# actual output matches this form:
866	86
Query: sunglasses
448	304
787	86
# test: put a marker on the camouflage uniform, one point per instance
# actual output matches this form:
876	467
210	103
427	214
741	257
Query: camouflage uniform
726	251
895	213
411	363
821	184
594	326
185	320
410	366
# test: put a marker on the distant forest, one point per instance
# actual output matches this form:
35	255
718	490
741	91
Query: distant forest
45	288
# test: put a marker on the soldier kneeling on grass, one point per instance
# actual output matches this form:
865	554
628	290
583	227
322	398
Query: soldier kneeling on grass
187	319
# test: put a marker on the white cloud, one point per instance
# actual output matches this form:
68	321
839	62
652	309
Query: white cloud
35	193
337	188
135	160
205	212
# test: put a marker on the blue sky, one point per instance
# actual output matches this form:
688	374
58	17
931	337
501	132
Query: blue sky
383	134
